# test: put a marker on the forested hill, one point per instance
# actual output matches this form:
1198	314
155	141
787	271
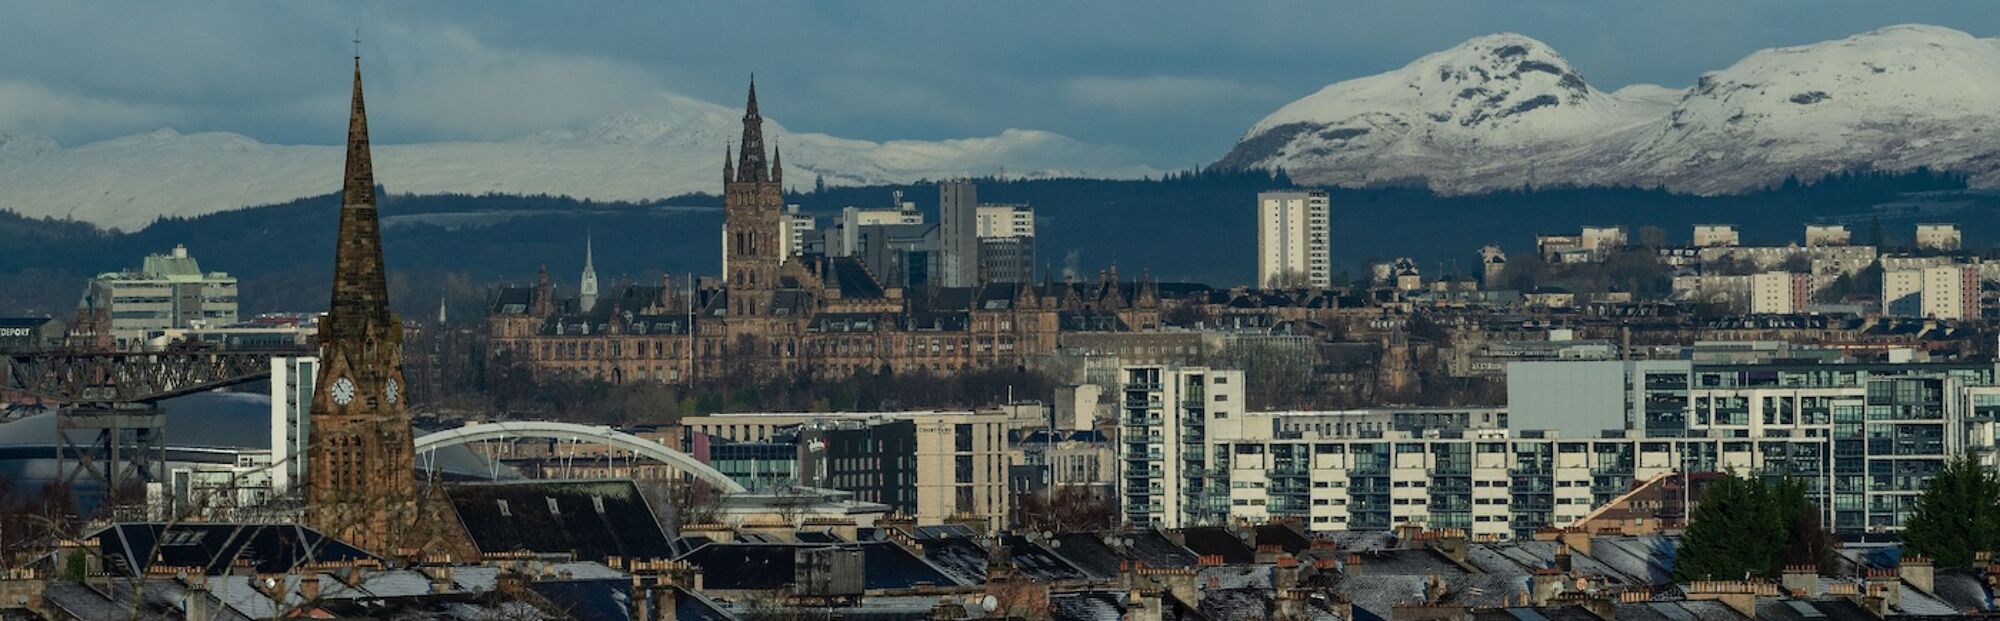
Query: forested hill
1196	226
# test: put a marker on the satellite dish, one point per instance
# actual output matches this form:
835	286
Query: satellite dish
270	582
989	603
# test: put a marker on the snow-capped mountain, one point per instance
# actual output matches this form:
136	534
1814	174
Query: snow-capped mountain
673	146
1505	110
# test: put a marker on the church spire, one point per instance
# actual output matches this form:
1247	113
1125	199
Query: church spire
360	290
728	167
587	290
750	162
777	167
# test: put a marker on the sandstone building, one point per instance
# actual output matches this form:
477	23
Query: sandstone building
780	314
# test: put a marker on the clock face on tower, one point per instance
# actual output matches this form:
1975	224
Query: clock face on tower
392	391
343	391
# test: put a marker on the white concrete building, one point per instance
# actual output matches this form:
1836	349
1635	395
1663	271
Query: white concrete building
1163	416
1006	220
1779	293
795	226
168	291
1716	236
1938	291
1294	246
1902	292
1601	240
1938	236
1863	437
1827	235
292	380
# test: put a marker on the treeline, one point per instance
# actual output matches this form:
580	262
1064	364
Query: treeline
1192	226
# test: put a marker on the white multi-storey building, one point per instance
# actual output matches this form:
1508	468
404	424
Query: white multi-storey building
1938	237
169	291
1006	220
1938	291
1716	236
1163	415
1863	437
1294	246
1818	235
1779	293
292	380
795	226
1602	240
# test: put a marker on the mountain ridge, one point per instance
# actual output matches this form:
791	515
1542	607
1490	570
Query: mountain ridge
1506	111
670	147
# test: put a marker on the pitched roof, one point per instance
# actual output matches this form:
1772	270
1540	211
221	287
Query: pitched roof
593	520
129	548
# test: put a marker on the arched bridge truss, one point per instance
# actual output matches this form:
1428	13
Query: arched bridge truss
642	447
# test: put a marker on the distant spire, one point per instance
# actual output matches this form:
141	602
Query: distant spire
750	164
360	289
587	290
728	166
777	167
441	313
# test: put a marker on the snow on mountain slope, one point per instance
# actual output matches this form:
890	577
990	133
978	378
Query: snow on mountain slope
1503	111
674	146
1474	110
1895	98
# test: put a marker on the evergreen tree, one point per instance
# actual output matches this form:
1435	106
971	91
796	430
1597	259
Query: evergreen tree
1958	514
1749	527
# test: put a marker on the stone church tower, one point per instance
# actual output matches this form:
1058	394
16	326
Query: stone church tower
361	487
752	196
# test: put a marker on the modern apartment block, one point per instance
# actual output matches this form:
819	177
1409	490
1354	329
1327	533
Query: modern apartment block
1294	246
957	460
1163	453
292	380
1864	437
1779	293
795	226
1006	220
1006	243
1716	235
1818	235
168	291
1938	237
1939	292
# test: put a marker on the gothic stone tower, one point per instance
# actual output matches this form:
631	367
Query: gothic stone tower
360	482
752	197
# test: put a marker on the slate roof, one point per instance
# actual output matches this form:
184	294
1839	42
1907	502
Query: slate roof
1039	562
589	600
1087	606
1287	537
958	556
1962	589
1217	541
128	549
766	566
851	277
593	520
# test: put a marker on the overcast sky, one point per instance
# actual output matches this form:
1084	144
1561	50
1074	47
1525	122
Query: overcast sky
1177	80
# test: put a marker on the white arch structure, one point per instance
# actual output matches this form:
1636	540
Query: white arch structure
572	431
